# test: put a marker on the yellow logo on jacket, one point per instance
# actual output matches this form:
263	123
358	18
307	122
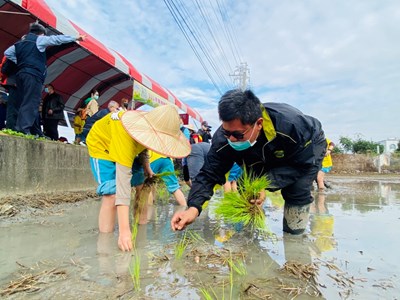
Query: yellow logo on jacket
279	153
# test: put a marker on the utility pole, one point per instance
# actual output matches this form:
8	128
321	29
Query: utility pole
241	76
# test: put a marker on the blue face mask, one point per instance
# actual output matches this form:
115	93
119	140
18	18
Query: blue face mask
96	97
46	90
242	145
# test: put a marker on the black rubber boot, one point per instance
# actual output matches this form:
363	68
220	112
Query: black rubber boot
295	218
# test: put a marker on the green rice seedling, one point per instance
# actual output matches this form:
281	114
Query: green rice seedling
157	178
206	294
162	194
141	201
210	294
181	246
235	207
238	266
195	237
134	271
139	211
134	231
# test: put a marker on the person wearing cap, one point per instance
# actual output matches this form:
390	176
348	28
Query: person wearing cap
205	132
113	143
274	140
30	56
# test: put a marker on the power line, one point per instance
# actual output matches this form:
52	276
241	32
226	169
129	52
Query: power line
174	14
202	42
210	33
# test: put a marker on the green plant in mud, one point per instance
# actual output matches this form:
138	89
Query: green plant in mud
207	295
235	207
134	231
237	267
159	187
162	194
181	246
134	270
189	237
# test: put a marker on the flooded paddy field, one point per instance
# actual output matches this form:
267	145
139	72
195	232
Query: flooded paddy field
350	251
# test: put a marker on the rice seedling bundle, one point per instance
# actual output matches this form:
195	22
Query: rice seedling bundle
235	207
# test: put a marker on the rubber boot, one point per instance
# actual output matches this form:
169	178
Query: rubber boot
295	218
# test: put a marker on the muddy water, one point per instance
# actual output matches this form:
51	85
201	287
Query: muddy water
352	241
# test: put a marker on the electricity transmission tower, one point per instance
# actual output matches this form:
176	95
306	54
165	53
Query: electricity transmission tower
241	76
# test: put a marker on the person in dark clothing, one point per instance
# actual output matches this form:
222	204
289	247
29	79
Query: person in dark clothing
8	80
3	109
52	112
30	56
205	132
113	106
271	139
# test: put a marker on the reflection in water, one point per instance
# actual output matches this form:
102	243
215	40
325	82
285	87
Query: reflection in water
322	224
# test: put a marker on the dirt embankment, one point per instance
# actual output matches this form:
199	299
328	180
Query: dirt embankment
11	206
363	163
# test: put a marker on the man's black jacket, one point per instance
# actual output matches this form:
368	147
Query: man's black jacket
56	104
284	151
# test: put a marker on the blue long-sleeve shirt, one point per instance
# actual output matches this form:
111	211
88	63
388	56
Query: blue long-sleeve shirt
42	43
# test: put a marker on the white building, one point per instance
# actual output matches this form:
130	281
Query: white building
390	145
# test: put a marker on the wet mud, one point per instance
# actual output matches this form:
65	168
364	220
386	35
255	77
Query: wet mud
51	249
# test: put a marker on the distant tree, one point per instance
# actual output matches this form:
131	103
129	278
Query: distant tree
337	150
398	148
346	143
360	146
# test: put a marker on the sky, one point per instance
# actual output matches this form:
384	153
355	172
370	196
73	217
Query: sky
338	61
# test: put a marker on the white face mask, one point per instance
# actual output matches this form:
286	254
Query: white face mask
242	145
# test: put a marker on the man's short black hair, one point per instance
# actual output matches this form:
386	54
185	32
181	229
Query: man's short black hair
37	28
241	105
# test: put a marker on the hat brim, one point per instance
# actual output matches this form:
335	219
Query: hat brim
142	131
190	126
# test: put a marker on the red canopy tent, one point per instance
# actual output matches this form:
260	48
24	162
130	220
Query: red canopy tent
75	69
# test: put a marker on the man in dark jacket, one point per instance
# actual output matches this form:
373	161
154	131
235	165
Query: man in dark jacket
271	139
30	56
52	112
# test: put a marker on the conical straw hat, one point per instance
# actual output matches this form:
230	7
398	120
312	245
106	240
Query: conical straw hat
190	126
157	130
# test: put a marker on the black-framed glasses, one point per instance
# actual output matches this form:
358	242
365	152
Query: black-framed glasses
236	134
